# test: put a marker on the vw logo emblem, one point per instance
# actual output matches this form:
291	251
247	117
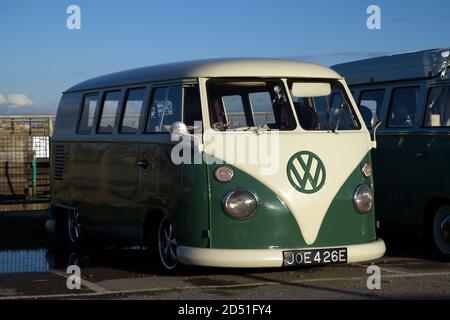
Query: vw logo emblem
306	172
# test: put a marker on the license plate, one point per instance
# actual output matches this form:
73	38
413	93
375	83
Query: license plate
312	257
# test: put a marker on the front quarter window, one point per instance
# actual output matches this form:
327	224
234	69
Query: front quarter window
323	106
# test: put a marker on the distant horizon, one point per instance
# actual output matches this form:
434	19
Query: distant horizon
41	57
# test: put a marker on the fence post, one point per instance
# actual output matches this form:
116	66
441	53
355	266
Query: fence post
34	175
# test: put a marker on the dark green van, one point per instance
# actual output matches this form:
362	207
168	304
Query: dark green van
410	94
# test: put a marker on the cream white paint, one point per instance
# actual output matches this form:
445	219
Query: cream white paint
341	152
266	258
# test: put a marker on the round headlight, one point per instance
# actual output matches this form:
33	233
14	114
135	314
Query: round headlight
240	203
366	169
363	199
224	174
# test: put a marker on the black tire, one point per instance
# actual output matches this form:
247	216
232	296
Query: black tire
73	229
439	233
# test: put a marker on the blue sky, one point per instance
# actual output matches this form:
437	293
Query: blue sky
40	57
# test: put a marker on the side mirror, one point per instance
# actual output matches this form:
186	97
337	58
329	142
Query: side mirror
179	128
374	122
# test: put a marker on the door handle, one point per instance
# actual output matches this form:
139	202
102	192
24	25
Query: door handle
143	163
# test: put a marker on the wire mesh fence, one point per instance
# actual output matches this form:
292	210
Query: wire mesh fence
25	158
12	261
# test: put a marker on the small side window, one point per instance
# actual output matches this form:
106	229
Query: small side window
132	111
109	111
192	110
165	109
87	113
370	104
403	108
438	107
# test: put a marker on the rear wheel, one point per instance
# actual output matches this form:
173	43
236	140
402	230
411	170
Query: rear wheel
440	231
167	245
73	228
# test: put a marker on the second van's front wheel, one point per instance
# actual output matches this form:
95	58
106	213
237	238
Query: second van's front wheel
167	245
441	232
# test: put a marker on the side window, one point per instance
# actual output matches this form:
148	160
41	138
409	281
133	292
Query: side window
192	110
165	109
87	113
404	103
133	106
438	107
109	111
261	104
370	104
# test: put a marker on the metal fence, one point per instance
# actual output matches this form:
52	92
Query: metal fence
12	261
25	158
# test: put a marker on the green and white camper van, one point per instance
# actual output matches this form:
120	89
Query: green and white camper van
410	94
223	163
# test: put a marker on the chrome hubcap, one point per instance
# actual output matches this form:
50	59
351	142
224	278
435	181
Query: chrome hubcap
167	244
445	229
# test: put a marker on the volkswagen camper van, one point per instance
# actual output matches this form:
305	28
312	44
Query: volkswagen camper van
222	163
410	94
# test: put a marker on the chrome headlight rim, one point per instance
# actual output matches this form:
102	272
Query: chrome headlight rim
357	193
227	196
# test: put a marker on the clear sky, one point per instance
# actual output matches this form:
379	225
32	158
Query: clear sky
40	57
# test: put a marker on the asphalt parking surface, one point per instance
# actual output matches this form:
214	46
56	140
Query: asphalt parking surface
31	268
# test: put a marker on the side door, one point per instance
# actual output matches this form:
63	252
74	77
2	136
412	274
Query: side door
176	190
395	159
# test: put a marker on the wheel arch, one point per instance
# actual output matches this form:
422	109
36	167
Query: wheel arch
431	207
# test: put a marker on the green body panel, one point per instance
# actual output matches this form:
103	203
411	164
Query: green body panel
274	226
115	198
342	225
410	171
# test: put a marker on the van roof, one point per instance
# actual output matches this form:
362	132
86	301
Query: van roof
405	66
231	67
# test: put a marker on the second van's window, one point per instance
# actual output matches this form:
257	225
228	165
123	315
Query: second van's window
165	109
370	103
109	110
403	107
87	114
247	104
132	111
438	107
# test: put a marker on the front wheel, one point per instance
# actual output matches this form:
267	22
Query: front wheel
167	245
440	232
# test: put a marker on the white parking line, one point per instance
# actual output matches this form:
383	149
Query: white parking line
383	268
231	286
92	286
